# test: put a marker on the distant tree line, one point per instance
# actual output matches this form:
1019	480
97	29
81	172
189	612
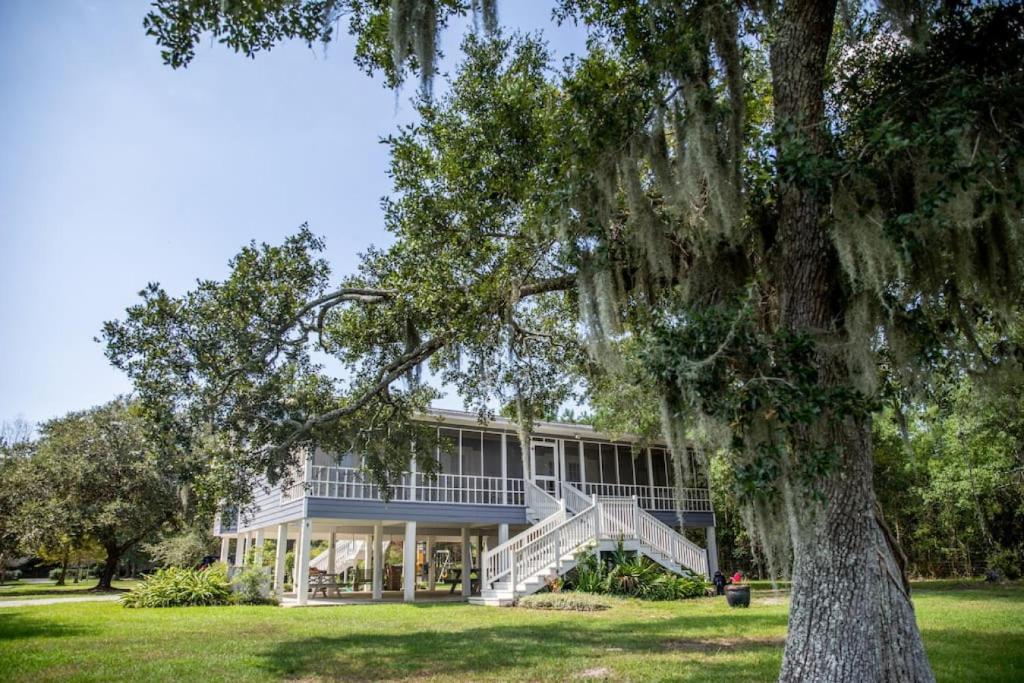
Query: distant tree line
91	488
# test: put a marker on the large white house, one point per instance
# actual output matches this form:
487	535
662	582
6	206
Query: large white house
585	490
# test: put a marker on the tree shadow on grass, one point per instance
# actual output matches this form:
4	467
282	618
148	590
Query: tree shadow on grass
510	650
54	591
16	624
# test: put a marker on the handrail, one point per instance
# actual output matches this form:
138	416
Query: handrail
497	561
668	541
545	544
549	548
540	500
575	500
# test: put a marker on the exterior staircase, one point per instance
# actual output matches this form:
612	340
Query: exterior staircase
571	526
346	554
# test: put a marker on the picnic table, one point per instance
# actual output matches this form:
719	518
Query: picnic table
324	583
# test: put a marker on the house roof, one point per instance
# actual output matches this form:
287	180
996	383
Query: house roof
565	430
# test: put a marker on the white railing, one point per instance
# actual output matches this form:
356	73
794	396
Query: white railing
575	500
498	561
693	499
459	489
618	517
540	501
675	546
662	498
548	551
543	547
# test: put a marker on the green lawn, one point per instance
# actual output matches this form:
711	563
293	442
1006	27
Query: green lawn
972	633
20	590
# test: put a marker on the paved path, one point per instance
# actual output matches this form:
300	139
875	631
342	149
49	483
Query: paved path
99	597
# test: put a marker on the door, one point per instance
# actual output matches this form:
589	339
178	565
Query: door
545	464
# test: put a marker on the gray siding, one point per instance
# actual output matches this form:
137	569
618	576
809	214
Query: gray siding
268	509
333	508
690	519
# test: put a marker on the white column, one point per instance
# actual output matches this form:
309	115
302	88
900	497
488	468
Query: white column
259	548
331	552
409	562
225	547
650	477
239	550
279	552
412	480
467	562
504	470
431	569
712	550
378	561
367	542
502	533
302	559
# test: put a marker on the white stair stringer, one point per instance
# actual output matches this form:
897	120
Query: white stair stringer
525	563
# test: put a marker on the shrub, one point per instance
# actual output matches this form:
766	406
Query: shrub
178	587
628	574
574	602
633	577
54	573
670	587
1006	562
253	586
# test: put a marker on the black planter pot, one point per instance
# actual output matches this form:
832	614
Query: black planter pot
738	596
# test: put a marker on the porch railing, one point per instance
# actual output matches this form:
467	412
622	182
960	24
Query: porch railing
458	489
660	498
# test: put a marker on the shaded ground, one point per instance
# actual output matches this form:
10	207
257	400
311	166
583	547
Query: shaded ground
26	590
42	600
971	634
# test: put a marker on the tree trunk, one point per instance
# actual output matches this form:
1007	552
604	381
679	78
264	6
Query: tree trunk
850	616
106	582
63	569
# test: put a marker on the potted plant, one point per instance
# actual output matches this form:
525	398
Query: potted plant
737	594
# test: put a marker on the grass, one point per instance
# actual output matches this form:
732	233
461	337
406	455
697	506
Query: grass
21	590
973	633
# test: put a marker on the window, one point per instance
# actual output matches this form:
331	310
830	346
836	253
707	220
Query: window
609	472
572	461
625	464
514	453
698	476
447	448
472	452
640	465
592	462
658	464
544	459
348	460
492	454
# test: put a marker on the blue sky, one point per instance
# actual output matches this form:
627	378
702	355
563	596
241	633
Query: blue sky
117	171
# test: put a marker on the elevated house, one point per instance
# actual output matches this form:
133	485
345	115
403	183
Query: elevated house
584	490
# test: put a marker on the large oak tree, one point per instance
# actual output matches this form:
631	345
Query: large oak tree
739	212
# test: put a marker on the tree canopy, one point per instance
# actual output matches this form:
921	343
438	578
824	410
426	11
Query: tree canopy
747	212
93	478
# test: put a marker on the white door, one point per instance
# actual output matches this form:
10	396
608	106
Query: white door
545	464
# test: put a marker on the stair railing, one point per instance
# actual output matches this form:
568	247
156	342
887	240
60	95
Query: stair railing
666	540
548	550
618	517
575	500
539	500
498	561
